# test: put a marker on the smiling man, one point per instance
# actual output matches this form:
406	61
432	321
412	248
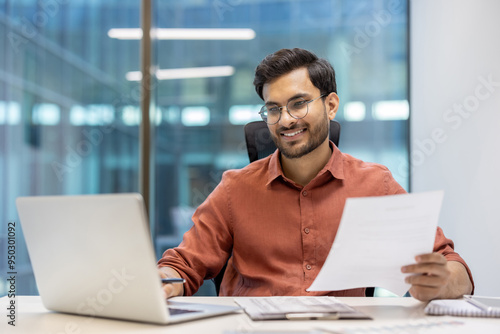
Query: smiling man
276	219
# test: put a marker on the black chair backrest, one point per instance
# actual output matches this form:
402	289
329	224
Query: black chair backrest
260	144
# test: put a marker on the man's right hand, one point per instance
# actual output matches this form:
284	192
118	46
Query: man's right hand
171	289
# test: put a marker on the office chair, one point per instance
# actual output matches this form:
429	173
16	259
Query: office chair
260	145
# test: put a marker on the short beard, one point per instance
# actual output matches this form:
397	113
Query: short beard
318	135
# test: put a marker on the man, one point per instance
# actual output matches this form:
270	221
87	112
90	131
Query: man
276	219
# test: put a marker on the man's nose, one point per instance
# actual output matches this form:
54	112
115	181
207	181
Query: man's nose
286	120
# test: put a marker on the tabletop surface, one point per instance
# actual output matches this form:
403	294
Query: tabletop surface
390	315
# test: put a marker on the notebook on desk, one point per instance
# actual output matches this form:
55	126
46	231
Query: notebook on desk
92	255
468	306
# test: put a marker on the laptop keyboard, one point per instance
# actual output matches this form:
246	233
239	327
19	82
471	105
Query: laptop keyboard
175	311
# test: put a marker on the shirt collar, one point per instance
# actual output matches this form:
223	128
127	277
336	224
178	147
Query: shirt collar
334	166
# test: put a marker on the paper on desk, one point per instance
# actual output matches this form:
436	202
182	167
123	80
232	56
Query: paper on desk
376	237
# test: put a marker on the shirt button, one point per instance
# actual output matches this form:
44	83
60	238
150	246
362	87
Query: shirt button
304	193
306	230
308	267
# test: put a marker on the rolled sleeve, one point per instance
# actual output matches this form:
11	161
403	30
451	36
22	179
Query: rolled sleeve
445	246
206	247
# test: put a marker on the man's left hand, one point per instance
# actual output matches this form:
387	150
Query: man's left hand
430	277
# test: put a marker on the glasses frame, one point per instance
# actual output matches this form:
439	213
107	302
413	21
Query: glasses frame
306	102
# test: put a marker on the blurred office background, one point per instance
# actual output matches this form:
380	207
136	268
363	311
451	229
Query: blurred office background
71	97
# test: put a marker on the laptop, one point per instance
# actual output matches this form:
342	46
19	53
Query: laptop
92	255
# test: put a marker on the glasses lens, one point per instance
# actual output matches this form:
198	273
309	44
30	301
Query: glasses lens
270	114
263	113
297	108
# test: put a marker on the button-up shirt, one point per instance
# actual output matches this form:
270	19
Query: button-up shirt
275	232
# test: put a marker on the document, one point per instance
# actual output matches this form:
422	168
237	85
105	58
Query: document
376	237
298	308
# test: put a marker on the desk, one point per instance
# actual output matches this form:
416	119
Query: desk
32	317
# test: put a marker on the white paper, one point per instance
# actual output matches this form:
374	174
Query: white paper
376	237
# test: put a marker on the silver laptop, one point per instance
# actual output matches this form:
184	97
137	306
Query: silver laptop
92	255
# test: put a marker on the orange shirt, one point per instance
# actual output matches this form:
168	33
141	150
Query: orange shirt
278	232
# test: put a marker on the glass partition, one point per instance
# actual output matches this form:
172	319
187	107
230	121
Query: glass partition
68	116
205	55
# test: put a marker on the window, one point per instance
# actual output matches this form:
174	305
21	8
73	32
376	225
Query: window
70	96
366	42
64	100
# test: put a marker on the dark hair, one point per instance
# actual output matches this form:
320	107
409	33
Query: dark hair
284	61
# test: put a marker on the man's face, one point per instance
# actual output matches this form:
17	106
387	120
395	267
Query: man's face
296	138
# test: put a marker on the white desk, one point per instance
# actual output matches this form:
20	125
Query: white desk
33	318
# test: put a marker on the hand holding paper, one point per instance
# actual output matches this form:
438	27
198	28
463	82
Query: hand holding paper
376	237
428	277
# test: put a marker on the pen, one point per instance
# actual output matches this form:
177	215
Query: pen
171	280
479	304
312	316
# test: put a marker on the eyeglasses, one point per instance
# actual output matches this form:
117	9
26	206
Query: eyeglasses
297	108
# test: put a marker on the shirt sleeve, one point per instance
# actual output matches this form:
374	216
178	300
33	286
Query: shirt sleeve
392	186
445	246
206	247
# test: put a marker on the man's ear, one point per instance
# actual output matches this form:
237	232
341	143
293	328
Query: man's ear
332	104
